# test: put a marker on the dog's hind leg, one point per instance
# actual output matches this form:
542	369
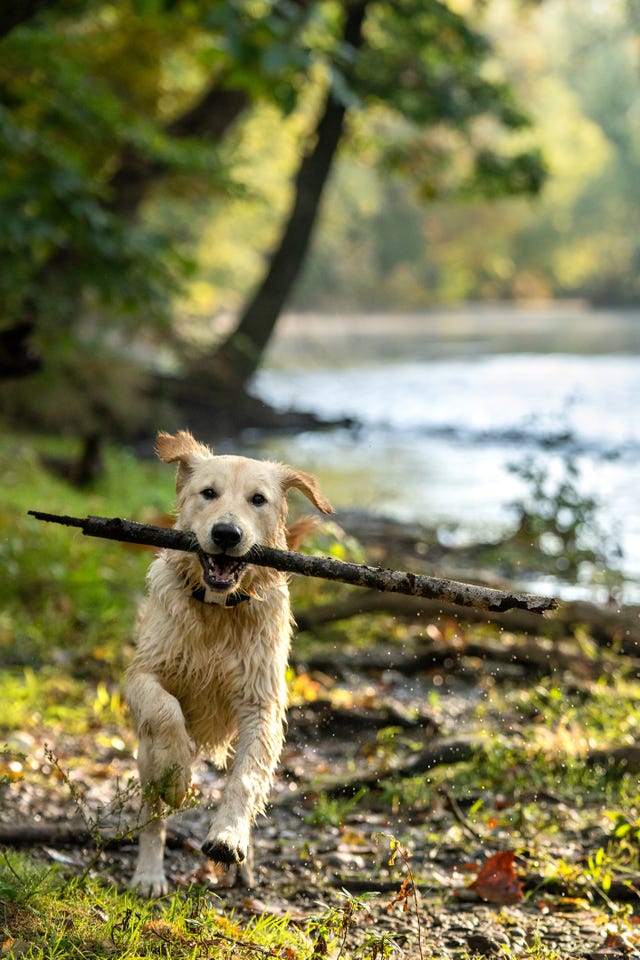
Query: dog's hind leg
165	751
149	878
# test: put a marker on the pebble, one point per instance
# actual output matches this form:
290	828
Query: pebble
485	946
606	954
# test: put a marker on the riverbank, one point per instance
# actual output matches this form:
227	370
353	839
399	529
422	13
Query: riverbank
571	326
452	407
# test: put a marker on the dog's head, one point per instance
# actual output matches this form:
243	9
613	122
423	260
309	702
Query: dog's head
231	504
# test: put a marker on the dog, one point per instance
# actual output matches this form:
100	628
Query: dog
213	640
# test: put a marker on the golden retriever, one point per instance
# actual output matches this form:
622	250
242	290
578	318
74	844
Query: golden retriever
212	646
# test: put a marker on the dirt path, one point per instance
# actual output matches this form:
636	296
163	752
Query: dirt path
319	851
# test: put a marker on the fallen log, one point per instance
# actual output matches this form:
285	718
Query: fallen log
74	833
447	753
327	568
507	654
320	718
608	625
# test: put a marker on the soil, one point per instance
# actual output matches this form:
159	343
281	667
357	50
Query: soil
304	862
358	716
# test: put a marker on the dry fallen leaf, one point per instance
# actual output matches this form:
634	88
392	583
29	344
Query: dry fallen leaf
497	881
619	942
402	896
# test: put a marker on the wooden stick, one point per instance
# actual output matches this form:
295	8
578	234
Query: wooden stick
327	568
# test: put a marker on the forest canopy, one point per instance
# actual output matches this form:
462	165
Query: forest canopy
166	165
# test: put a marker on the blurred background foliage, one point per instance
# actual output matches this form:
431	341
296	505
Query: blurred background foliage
574	68
147	151
157	156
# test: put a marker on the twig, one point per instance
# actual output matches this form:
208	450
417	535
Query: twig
327	568
454	808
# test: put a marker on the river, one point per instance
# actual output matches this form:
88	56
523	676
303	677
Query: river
447	401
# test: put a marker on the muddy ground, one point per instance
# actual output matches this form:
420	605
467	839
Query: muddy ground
319	847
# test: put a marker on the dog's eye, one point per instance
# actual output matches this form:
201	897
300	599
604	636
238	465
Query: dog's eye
258	499
209	493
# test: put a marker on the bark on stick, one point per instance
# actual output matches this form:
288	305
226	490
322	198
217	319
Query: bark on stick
326	568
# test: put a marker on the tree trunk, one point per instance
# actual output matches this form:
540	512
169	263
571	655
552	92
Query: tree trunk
239	356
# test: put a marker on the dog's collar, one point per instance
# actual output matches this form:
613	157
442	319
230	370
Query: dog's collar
233	599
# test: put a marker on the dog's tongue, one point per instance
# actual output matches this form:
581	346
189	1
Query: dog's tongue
220	571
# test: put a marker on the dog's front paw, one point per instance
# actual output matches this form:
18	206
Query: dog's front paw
223	850
149	883
237	858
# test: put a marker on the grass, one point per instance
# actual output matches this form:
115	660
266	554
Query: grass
67	605
67	598
67	608
46	917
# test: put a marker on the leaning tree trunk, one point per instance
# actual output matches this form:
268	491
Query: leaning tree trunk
237	359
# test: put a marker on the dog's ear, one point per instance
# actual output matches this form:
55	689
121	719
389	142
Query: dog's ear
307	484
183	445
184	448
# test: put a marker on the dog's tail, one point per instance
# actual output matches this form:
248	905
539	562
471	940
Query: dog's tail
299	530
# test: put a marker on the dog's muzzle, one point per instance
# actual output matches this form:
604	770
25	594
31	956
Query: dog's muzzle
220	571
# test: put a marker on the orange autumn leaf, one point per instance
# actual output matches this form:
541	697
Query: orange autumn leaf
497	881
616	941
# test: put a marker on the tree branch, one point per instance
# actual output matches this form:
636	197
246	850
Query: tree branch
72	833
607	624
208	118
326	568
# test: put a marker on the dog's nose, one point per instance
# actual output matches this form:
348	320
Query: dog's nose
226	535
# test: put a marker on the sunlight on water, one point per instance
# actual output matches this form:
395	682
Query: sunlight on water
506	398
435	438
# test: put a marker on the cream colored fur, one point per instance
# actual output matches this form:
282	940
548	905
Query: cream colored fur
209	676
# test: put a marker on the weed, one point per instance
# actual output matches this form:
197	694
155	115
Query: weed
407	895
377	946
558	527
115	816
626	830
333	811
599	869
20	880
330	929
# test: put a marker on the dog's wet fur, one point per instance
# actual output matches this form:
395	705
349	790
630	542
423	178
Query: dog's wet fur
212	647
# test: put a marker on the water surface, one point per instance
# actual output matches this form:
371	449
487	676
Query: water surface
446	402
